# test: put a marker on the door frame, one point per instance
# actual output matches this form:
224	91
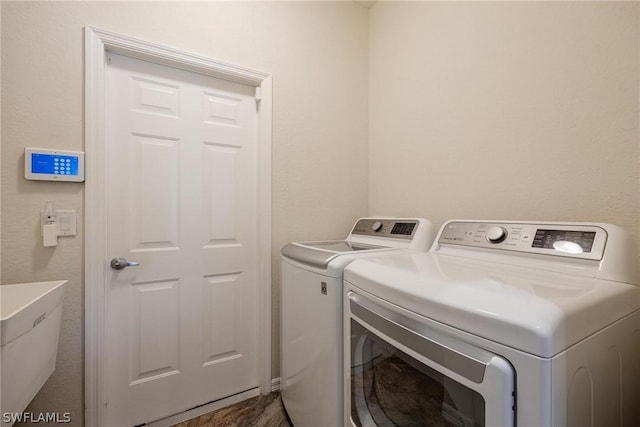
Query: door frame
97	43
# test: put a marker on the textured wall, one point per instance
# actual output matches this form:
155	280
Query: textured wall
318	55
518	110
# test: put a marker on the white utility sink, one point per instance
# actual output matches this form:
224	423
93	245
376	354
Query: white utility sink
30	315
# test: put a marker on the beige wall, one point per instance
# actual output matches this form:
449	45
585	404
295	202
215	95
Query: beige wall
488	110
505	110
318	55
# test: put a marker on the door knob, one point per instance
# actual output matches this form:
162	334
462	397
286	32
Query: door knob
119	263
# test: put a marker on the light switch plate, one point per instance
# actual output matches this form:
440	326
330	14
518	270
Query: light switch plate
65	221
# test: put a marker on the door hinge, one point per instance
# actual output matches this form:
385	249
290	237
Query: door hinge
258	94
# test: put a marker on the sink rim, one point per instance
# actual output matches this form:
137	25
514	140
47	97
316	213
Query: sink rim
49	288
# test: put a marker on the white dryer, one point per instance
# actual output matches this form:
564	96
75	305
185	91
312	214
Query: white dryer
499	324
311	312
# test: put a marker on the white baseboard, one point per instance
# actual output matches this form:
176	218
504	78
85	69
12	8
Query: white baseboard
275	384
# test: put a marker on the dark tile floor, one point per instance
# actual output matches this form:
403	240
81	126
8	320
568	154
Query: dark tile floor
259	411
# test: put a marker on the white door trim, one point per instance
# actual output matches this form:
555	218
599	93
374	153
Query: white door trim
97	43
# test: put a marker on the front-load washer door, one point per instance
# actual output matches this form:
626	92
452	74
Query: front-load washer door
403	373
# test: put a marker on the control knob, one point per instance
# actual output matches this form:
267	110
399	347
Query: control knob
376	226
496	234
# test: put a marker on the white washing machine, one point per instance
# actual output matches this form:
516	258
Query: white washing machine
499	324
311	312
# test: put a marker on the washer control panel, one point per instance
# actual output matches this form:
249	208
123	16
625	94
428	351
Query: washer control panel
575	241
397	229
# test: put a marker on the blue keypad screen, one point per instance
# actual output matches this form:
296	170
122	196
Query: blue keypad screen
54	164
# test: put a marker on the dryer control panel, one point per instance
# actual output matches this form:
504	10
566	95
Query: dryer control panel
585	241
394	228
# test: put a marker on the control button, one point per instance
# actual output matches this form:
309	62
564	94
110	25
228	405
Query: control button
376	226
496	234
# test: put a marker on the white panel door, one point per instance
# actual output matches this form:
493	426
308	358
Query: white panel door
182	201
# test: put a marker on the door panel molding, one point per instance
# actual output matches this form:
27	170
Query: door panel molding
97	43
